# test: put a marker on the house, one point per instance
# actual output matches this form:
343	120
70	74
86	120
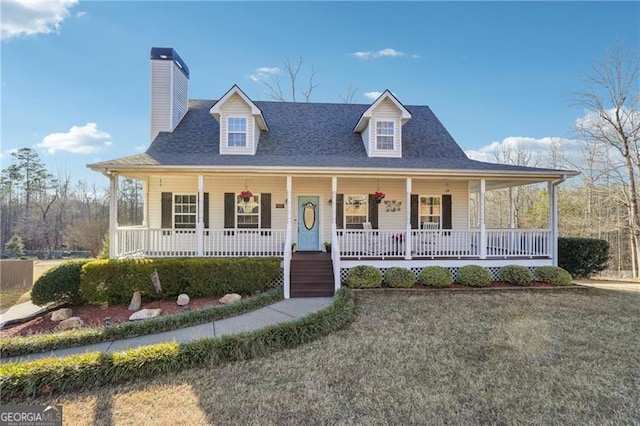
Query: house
241	177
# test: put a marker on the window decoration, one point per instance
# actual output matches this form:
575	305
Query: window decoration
393	205
185	210
356	209
309	215
248	212
430	211
237	132
384	135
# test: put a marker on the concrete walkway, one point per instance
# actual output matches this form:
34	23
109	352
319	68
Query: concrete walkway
282	311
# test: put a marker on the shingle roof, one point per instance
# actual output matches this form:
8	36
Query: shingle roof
309	135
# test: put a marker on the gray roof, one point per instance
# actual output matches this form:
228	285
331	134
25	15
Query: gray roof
309	135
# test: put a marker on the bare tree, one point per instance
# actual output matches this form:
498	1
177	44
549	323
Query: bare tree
295	86
349	94
613	127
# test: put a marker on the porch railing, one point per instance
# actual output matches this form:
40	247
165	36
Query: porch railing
518	243
446	243
378	243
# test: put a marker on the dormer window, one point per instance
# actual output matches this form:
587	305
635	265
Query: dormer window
384	135
237	132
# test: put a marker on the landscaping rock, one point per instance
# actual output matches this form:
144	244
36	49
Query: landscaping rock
61	314
183	299
229	298
145	314
136	301
70	323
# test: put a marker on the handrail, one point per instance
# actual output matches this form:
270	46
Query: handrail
335	259
286	264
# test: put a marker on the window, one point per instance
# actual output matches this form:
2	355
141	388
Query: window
248	213
185	210
384	134
237	132
430	211
355	209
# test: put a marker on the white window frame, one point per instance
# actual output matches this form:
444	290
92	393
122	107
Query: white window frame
237	132
386	135
366	204
181	213
421	216
240	202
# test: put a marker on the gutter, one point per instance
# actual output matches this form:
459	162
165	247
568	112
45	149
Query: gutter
559	181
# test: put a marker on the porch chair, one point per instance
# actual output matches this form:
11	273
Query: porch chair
371	240
426	242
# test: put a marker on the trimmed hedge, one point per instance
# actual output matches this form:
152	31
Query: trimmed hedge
28	379
474	275
114	281
436	276
516	274
583	257
553	275
399	277
364	276
59	284
46	342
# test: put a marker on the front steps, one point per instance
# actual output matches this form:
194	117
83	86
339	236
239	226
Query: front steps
311	274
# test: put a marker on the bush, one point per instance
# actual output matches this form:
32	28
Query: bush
583	257
516	274
399	277
474	275
59	284
436	276
20	380
364	276
553	275
114	281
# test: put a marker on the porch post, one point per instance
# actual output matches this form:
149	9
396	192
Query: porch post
553	222
145	203
483	229
287	249
113	215
200	223
408	239
334	208
512	210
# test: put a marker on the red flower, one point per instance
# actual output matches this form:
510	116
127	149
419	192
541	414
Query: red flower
245	194
379	195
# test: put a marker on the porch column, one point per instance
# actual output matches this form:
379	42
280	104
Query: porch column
200	223
481	225
512	209
113	215
553	222
334	209
145	203
287	249
408	239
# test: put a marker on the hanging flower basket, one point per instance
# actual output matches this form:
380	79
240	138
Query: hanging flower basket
378	196
245	195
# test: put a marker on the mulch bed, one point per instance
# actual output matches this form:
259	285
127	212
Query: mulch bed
95	315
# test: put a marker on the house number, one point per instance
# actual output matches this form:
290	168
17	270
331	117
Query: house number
309	215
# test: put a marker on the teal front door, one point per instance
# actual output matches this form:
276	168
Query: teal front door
308	223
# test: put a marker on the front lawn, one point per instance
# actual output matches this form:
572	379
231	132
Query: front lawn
437	358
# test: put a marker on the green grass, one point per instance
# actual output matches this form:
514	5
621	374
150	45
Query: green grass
461	358
11	297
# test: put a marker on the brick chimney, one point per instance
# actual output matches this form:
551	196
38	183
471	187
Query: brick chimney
169	90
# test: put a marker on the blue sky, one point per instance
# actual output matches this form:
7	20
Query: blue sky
75	75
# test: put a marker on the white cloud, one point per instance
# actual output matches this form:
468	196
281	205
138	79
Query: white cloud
81	14
362	55
372	95
29	17
85	139
7	152
383	53
260	73
140	148
388	52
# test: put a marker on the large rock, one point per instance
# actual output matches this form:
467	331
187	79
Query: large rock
61	314
229	298
183	299
70	323
136	301
145	314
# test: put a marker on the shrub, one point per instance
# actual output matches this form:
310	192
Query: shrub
19	380
583	257
59	284
436	276
114	281
516	274
399	277
364	276
553	275
474	275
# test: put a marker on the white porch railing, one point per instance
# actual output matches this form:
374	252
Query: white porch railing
379	243
140	242
446	243
518	243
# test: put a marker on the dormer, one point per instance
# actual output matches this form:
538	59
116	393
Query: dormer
381	126
240	123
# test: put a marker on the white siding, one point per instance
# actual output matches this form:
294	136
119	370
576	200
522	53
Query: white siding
180	95
385	111
237	107
366	137
169	96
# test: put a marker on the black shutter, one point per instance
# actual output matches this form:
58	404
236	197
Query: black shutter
446	211
265	210
339	211
415	212
206	209
229	210
167	210
373	212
